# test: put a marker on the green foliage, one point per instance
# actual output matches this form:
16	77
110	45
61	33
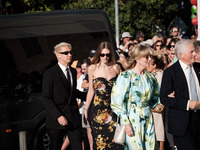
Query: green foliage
134	15
37	6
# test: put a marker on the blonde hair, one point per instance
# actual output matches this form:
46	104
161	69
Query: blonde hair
61	45
159	54
137	52
159	59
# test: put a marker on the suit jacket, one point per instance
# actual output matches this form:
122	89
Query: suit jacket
175	80
56	96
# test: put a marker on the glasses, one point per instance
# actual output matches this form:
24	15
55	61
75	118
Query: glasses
172	46
135	43
66	52
174	31
103	55
158	45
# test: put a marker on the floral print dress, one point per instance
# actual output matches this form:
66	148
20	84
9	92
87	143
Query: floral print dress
132	97
103	119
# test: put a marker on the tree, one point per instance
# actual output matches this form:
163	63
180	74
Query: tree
147	15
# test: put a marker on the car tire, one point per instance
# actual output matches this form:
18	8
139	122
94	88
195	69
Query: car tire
41	140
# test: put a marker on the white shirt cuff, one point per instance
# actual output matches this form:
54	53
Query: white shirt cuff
188	104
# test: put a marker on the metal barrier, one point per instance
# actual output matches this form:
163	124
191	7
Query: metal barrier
22	140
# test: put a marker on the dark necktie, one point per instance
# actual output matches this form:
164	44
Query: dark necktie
68	77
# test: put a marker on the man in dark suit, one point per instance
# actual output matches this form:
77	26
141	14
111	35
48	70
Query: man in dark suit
59	94
184	113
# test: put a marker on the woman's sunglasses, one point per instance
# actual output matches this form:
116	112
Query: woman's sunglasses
159	45
103	55
172	46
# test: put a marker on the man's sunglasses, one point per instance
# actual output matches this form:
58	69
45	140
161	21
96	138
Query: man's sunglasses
66	52
107	55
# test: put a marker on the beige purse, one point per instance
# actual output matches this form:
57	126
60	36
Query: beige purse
158	109
119	136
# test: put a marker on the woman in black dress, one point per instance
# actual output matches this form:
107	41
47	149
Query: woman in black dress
102	75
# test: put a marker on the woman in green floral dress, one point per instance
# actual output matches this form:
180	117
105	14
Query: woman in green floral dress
133	95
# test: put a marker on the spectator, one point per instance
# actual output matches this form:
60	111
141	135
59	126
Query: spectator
197	50
91	55
156	66
123	61
140	36
84	66
171	53
158	37
119	49
168	39
158	45
175	32
125	41
85	85
125	38
148	42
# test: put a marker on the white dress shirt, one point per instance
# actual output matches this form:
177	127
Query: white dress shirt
63	68
185	70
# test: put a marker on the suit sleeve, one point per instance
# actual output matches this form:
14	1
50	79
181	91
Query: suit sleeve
48	86
170	84
81	95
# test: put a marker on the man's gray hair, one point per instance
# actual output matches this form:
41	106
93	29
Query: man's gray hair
181	46
60	45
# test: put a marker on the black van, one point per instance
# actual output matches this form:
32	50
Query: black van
26	51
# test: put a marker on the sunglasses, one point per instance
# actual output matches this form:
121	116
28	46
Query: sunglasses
174	31
66	52
172	46
107	55
158	45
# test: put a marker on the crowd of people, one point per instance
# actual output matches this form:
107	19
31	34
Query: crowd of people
84	98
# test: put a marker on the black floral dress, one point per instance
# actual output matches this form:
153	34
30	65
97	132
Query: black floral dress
103	119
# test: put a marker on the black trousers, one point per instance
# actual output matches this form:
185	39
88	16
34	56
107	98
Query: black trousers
191	140
57	135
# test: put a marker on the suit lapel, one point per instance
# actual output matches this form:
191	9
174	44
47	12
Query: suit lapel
73	77
63	78
180	74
